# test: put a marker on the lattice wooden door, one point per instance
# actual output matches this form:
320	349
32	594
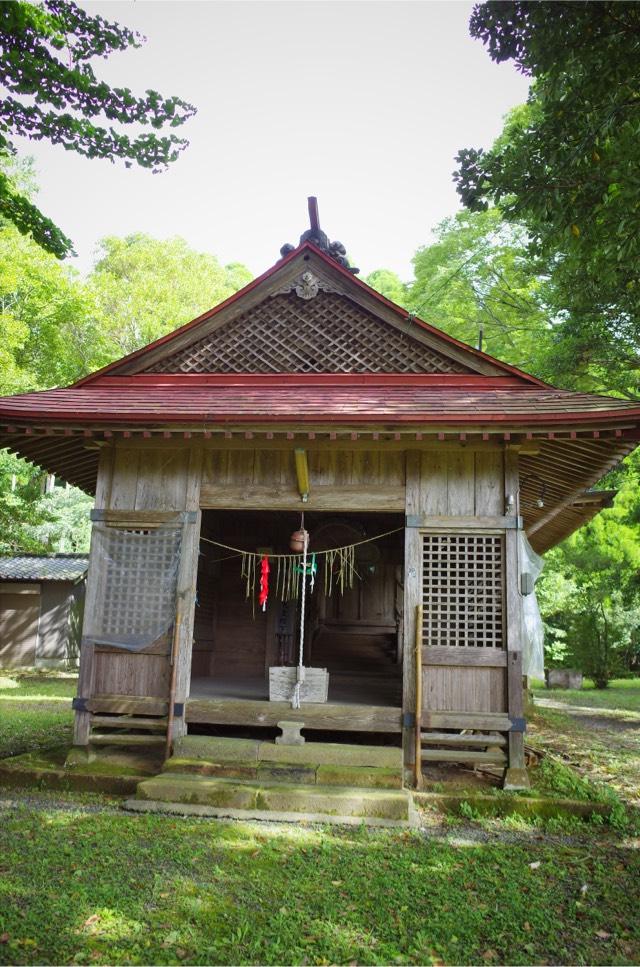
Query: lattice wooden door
463	633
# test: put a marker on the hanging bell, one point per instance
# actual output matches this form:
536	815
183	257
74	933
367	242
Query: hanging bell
297	540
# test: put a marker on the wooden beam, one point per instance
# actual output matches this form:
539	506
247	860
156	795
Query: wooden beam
327	717
461	655
341	498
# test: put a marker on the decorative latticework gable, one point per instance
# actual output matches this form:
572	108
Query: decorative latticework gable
323	333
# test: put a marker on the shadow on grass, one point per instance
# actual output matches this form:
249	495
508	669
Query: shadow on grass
144	889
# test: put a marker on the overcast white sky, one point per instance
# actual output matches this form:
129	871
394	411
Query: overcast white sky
361	103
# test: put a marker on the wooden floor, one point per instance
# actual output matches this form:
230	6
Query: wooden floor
363	707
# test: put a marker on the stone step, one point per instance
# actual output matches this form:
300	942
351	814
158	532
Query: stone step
367	777
124	738
129	722
314	763
214	749
313	802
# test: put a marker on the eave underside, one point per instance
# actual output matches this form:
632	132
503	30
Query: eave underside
561	464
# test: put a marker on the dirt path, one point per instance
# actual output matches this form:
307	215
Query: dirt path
603	743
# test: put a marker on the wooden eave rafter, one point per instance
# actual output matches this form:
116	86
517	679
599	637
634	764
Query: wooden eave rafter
571	518
567	461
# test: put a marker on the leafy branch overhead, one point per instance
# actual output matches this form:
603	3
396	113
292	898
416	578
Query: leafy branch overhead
565	165
52	92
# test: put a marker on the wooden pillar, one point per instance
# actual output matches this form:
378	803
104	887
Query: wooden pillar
86	675
187	581
412	598
516	774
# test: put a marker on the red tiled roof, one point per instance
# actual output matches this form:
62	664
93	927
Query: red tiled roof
160	400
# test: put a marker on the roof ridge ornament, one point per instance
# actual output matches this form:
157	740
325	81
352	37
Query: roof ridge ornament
334	250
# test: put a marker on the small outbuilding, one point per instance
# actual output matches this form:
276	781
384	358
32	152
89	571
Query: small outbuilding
41	599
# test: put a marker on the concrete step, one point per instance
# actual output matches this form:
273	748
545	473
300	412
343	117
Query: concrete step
314	802
314	763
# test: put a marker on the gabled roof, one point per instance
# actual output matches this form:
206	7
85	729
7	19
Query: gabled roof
263	303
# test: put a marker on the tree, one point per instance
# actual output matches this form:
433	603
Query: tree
52	92
142	288
589	591
566	168
47	332
478	276
388	284
67	526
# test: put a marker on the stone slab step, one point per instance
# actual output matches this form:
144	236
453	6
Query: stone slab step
316	800
368	777
129	722
464	755
450	738
264	815
115	738
215	749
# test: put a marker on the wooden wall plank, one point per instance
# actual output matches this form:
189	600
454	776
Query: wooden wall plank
461	483
433	484
489	483
125	479
463	689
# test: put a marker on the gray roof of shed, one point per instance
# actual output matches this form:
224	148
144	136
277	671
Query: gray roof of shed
43	567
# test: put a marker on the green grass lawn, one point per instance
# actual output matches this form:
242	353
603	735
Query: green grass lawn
622	693
35	711
83	883
104	889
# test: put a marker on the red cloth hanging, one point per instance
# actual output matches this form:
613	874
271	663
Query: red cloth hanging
264	583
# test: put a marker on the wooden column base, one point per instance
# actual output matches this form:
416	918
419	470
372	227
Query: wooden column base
81	728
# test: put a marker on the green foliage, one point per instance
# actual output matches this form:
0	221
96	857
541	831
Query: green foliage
589	591
68	529
56	327
566	168
47	334
52	92
388	284
477	275
142	288
21	508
